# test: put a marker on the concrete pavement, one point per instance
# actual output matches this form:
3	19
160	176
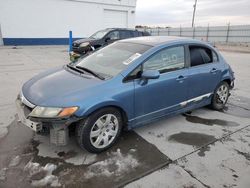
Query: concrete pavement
202	149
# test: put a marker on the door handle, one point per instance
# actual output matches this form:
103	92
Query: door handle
214	70
180	78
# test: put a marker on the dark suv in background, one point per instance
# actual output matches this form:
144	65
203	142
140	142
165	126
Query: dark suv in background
102	38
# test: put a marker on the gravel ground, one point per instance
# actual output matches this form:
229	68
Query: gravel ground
240	48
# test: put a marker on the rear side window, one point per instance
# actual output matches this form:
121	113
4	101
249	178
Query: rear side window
200	55
166	60
126	34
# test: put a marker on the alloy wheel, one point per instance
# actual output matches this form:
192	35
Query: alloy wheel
222	94
104	131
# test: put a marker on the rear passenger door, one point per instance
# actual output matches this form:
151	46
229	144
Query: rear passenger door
204	72
126	34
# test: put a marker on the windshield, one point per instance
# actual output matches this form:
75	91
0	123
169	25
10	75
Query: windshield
99	34
111	60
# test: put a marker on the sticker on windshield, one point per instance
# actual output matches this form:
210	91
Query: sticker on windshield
131	59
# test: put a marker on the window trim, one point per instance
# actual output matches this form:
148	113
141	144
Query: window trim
127	78
218	59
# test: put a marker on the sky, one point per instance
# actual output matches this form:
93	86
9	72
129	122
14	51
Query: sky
174	13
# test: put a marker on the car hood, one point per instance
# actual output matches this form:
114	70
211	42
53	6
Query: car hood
83	40
59	87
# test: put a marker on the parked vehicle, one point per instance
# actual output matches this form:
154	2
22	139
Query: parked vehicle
102	38
125	85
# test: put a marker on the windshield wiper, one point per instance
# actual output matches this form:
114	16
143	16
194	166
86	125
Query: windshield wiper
75	69
91	72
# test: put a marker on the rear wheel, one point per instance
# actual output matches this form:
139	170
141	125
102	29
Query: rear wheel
100	130
220	96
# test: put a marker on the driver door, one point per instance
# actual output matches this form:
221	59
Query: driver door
158	97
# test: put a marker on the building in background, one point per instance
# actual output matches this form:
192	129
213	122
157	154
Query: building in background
28	22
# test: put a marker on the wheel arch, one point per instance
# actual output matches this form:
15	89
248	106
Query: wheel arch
227	80
120	108
228	76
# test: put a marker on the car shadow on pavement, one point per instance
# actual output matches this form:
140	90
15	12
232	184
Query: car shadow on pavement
39	163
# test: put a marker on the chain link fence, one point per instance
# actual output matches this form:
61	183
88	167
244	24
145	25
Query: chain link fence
215	34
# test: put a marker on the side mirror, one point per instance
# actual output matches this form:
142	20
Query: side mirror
150	74
107	39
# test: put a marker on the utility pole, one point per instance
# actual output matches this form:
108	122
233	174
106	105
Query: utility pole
228	30
1	37
194	12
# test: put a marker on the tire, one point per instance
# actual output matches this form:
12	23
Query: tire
220	96
100	130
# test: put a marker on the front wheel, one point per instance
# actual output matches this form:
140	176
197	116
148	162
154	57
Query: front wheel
100	130
220	96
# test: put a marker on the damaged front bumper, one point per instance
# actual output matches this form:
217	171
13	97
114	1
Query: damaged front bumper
56	127
22	112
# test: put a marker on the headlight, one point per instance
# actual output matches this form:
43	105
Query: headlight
84	44
52	112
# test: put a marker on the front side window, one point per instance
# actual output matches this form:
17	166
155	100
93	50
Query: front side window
114	35
166	60
114	58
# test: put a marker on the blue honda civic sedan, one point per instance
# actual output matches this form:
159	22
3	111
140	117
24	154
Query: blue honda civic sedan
122	86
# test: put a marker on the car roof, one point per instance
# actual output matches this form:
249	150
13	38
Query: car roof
128	29
159	40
